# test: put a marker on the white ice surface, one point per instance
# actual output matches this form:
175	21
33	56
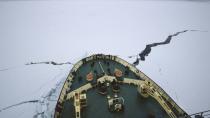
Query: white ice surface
66	30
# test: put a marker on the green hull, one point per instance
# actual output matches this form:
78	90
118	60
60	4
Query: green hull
142	98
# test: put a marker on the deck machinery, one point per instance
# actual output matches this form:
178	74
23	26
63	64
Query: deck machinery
106	86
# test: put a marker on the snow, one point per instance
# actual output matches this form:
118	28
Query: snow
64	31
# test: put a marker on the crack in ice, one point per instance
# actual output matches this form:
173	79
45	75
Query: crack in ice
141	56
